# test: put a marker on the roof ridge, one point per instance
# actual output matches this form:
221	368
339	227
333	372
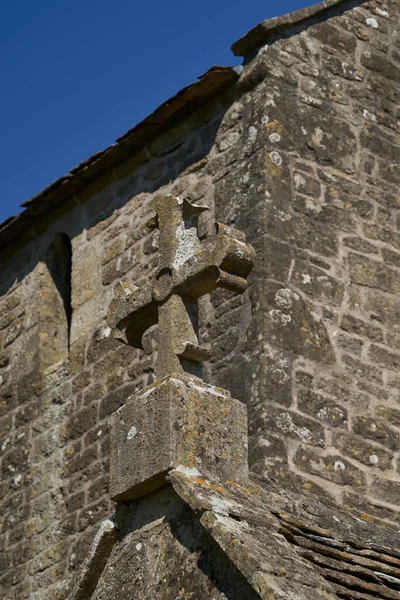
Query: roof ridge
259	34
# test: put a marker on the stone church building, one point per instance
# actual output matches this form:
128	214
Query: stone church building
298	150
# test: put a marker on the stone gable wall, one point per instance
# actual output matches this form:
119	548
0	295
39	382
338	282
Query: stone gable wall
303	156
55	404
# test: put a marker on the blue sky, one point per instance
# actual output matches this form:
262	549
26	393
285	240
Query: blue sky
77	74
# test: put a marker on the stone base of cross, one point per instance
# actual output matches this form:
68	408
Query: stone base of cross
176	422
179	420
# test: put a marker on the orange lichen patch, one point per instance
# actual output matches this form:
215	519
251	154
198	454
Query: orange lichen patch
184	594
205	484
248	491
370	518
275	127
273	169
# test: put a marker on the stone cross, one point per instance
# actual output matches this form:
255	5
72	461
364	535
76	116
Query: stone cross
186	271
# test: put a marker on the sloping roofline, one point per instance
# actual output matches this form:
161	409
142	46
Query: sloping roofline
174	110
186	102
260	33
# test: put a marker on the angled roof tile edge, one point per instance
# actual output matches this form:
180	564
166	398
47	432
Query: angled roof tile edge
260	33
173	110
275	535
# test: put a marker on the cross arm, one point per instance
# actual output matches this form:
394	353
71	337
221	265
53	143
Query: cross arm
225	262
131	312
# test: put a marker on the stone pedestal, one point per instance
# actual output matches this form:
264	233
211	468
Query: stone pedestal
176	422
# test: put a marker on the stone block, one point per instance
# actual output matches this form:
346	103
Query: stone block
335	37
383	309
380	64
321	408
362	328
365	452
333	468
384	357
390	257
273	378
386	490
112	250
176	422
369	273
360	245
302	232
376	430
115	399
278	258
315	282
293	324
288	424
307	185
86	275
374	232
349	343
102	342
95	560
80	422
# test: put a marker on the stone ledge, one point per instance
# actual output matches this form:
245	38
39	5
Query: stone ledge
261	32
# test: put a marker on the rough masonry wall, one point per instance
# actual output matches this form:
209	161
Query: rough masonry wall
55	402
162	551
313	180
305	162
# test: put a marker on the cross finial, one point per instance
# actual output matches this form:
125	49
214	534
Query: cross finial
186	271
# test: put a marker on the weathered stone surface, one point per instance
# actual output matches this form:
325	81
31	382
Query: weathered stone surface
363	451
115	399
293	325
186	271
321	408
302	156
170	555
259	34
303	232
377	430
334	468
316	282
95	561
173	423
81	422
355	325
289	423
321	534
384	358
350	344
387	490
383	308
365	271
